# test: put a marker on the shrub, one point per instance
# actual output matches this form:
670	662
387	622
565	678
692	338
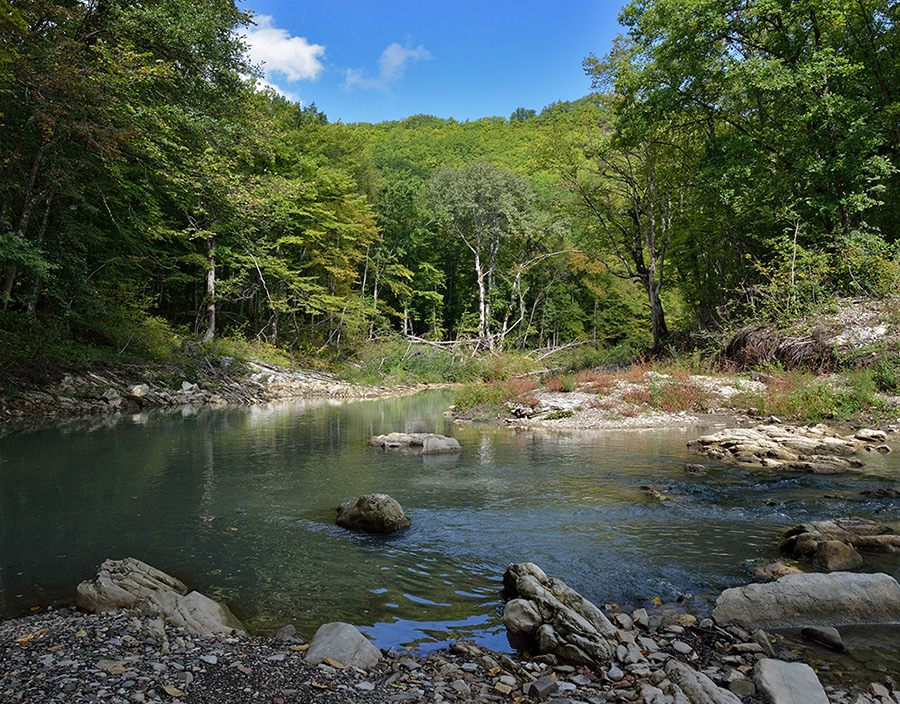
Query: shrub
476	396
564	383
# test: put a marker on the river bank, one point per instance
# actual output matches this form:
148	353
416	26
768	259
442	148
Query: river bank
69	656
222	382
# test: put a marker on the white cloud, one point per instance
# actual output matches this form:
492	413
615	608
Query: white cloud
391	65
278	52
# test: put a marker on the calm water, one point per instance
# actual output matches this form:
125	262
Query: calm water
240	504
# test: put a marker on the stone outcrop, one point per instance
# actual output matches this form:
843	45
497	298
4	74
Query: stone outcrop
426	443
372	513
836	544
344	644
560	621
788	682
134	585
799	600
815	449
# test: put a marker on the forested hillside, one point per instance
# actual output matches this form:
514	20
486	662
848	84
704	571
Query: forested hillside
733	164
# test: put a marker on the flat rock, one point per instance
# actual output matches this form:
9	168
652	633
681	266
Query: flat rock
427	443
800	600
372	513
796	448
342	643
788	683
135	585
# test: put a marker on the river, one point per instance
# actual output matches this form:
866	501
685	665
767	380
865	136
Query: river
239	502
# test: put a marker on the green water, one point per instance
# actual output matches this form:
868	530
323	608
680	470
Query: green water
240	503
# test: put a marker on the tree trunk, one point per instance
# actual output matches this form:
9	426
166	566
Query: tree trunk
657	315
210	297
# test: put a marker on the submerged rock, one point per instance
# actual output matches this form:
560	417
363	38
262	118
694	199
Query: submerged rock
372	513
559	619
834	544
135	585
428	442
800	600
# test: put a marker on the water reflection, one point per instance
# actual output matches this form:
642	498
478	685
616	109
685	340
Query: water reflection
240	503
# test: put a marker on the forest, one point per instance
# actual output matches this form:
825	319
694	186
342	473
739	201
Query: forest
737	161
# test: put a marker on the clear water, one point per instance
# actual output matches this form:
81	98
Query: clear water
240	504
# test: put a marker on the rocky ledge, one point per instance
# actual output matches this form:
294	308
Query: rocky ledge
817	449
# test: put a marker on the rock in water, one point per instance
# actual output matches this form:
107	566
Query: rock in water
562	621
372	513
799	600
800	449
342	643
834	556
826	635
429	443
834	544
132	584
788	683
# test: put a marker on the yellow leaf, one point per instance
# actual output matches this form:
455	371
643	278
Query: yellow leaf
81	633
657	601
300	648
172	691
335	663
319	686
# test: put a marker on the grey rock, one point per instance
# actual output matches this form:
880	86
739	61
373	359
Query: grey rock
425	442
573	628
826	635
788	683
372	513
543	687
641	618
342	643
806	540
698	688
521	616
285	632
132	584
799	600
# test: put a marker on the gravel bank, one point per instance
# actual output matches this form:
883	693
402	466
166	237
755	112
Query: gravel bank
68	656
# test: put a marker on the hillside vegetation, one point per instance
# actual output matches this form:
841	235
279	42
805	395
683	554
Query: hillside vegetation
732	168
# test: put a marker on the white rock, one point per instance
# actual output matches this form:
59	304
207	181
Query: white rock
343	643
798	600
788	683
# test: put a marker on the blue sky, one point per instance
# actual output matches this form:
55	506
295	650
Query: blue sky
376	60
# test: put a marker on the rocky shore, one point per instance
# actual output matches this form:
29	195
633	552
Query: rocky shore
73	657
572	652
228	382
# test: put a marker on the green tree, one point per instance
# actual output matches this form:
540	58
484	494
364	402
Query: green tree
485	207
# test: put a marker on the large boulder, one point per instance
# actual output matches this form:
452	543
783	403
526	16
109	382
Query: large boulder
815	449
426	443
372	513
134	585
558	619
342	643
798	600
